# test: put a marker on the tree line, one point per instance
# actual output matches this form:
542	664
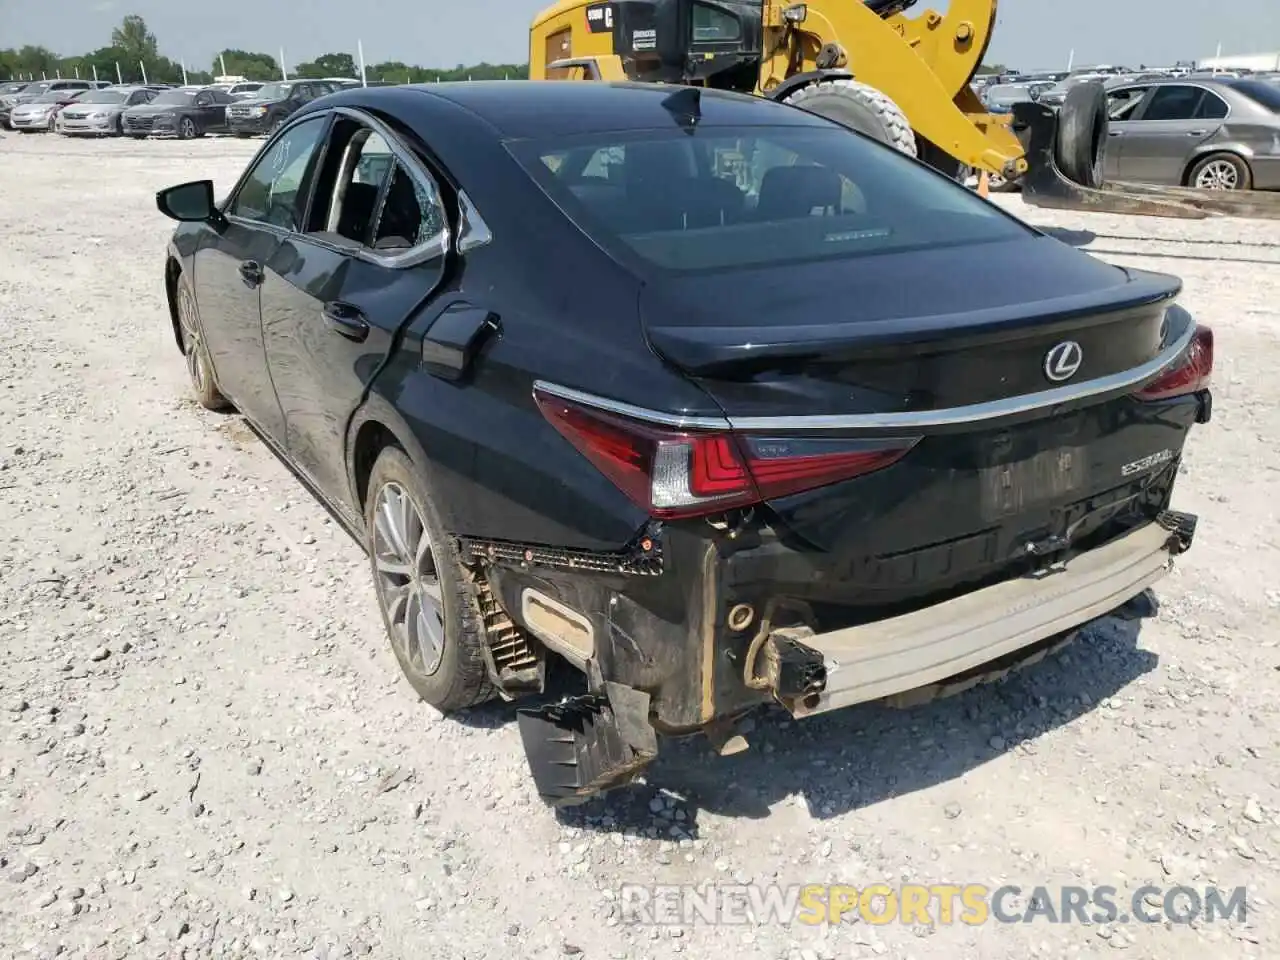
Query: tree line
135	49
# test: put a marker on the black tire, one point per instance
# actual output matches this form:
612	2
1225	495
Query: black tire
1082	134
187	129
199	368
1227	166
276	124
460	679
859	107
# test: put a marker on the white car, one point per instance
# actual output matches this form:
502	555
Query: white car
40	113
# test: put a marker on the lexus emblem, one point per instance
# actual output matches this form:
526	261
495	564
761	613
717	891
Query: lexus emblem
1062	362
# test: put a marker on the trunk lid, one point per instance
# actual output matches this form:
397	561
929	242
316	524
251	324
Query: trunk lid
906	331
925	333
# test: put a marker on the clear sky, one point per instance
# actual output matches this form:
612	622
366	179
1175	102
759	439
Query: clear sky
441	33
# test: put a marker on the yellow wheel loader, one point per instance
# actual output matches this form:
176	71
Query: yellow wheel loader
866	65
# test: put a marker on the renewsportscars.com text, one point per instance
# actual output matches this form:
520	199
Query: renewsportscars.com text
927	904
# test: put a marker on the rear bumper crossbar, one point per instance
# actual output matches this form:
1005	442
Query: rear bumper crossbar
890	657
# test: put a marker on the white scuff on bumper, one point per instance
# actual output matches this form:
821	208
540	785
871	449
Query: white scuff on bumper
892	656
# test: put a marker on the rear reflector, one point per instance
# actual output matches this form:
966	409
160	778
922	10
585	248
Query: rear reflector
674	473
1190	376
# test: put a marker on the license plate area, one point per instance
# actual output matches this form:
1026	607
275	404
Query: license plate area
1009	489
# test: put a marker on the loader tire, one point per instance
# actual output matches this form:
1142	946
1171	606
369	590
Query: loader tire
1082	134
859	107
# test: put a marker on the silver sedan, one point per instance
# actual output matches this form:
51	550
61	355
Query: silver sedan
1216	134
40	113
98	112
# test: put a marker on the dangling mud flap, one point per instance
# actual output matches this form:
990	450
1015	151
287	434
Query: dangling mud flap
582	746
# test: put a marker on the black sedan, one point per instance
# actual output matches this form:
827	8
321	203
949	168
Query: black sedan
702	394
183	113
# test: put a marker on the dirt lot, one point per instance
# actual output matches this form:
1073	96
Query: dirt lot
206	748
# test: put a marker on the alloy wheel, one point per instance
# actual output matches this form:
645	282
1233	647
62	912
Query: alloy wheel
1218	175
407	579
187	129
191	345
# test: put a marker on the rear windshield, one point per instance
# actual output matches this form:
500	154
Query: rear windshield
1267	94
275	91
724	198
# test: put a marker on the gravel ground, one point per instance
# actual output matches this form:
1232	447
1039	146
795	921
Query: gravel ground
206	748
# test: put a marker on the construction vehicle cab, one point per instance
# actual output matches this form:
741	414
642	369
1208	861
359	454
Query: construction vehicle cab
865	64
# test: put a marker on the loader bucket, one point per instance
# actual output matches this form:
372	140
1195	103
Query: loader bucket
1045	185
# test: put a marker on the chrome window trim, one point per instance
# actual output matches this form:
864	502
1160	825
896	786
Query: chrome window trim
473	231
429	249
908	420
1152	87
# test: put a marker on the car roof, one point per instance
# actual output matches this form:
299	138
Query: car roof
525	109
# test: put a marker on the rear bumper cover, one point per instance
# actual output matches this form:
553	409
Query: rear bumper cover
892	656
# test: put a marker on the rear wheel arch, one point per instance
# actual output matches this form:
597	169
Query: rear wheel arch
371	438
1219	153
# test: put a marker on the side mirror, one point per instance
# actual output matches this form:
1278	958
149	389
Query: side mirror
188	202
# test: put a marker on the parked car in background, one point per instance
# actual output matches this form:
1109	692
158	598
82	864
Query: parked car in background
101	112
646	443
1055	95
39	115
242	91
1000	97
271	106
182	113
33	89
9	93
1218	134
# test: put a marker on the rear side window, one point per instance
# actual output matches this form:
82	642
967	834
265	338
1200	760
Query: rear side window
724	198
373	199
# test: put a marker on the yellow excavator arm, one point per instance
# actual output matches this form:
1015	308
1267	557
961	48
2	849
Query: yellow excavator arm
924	64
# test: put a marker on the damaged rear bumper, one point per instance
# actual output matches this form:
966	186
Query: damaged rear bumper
890	657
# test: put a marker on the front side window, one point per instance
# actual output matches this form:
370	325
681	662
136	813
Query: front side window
1121	104
725	198
275	190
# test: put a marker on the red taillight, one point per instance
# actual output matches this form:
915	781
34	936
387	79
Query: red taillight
1190	376
675	473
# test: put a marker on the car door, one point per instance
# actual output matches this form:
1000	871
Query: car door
1122	105
221	99
335	298
230	269
204	107
1166	129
